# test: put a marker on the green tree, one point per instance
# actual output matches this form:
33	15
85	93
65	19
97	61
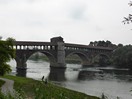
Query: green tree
122	57
6	53
101	43
91	43
108	43
120	45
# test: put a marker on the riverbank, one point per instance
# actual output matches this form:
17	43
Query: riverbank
39	89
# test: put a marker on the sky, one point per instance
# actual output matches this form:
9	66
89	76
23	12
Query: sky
77	21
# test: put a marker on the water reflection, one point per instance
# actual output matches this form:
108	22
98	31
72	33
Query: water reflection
57	74
119	74
105	74
88	74
21	72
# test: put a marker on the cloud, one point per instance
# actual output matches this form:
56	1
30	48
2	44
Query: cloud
76	20
77	11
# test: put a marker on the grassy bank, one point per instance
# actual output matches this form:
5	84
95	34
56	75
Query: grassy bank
40	90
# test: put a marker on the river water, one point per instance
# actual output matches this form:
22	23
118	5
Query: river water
92	81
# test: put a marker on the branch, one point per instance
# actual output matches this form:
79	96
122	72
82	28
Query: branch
129	18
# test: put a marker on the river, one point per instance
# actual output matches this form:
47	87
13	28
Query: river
92	81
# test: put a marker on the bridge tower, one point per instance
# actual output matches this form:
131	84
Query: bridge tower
58	70
60	52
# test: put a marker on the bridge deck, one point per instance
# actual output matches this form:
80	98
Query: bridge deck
34	43
31	43
87	46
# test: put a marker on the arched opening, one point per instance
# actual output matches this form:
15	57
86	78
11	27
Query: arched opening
74	63
77	58
101	60
38	65
73	59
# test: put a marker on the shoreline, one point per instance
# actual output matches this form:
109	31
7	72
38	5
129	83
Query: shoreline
51	88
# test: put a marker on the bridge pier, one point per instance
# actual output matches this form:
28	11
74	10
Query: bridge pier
21	66
21	69
57	74
60	52
21	72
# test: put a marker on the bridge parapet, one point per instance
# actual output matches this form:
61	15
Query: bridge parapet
25	45
79	47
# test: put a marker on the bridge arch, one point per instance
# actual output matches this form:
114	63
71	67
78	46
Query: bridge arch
83	56
102	59
22	57
50	56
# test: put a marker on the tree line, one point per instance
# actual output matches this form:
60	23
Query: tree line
121	55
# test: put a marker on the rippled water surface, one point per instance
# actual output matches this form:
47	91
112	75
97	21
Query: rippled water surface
93	81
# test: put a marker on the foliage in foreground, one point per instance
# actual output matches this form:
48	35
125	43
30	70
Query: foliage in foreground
33	89
6	53
1	82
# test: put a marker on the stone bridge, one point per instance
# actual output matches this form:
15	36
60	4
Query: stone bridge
57	50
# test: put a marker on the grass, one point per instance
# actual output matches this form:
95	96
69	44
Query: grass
40	90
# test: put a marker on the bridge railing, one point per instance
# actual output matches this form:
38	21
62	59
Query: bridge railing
79	47
25	45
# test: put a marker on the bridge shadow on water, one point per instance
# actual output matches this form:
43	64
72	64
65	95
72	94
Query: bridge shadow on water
91	73
21	72
57	74
105	74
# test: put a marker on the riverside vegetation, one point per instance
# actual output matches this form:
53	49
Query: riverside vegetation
27	88
6	54
1	82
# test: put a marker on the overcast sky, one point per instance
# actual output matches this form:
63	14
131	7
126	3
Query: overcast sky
77	21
